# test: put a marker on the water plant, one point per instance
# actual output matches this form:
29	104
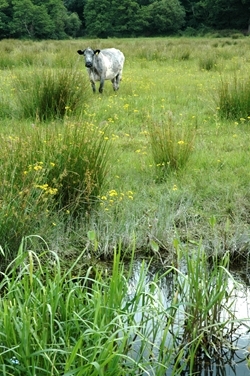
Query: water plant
207	302
84	319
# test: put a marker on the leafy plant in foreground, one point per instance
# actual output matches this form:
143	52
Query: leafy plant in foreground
59	322
208	304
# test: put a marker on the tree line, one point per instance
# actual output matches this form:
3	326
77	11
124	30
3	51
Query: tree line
59	19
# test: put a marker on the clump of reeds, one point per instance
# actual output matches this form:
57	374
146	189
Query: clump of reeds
234	98
171	143
207	300
208	62
49	172
50	93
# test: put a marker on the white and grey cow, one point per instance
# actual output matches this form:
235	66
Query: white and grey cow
103	65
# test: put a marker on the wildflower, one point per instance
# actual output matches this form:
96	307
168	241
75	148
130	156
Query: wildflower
52	191
181	142
38	167
113	193
44	187
175	187
52	164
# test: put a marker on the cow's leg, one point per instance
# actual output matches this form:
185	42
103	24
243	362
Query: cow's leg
114	83
101	85
117	80
93	86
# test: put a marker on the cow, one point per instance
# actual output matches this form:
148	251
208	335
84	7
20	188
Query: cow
103	65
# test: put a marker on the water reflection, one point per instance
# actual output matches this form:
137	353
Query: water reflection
231	361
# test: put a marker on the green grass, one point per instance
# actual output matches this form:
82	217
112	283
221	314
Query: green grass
161	76
83	320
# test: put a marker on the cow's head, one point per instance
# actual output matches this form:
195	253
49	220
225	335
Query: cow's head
88	54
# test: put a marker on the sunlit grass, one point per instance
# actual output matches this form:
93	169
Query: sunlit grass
157	80
83	320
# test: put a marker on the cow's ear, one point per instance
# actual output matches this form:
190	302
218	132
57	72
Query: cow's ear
97	51
81	52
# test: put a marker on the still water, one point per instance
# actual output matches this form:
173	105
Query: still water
233	358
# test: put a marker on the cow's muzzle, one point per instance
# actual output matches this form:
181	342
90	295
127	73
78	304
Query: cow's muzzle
88	64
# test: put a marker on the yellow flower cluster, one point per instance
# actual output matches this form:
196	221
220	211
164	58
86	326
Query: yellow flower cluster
46	188
113	197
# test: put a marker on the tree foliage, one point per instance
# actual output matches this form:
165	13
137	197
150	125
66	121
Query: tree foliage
57	19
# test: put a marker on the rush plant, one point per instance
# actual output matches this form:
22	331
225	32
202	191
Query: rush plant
50	93
207	303
234	98
87	323
49	172
171	143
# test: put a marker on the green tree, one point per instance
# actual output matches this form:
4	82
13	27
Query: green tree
72	25
166	16
76	6
5	18
227	14
98	18
127	19
217	14
22	23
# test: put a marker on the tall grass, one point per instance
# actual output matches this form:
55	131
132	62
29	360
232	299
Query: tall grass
172	144
160	75
50	94
57	321
208	303
49	173
234	98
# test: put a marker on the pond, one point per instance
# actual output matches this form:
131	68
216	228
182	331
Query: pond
227	354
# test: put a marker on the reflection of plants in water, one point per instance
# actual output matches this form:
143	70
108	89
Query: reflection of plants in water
95	322
207	303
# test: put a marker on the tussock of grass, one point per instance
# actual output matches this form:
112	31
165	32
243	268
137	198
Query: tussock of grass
50	94
234	98
49	171
171	143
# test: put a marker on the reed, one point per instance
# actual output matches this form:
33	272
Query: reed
50	94
171	143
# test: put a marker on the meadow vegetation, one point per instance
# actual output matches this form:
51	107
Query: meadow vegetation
176	155
159	169
115	322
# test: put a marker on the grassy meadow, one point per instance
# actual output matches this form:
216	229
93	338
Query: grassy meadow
159	169
169	156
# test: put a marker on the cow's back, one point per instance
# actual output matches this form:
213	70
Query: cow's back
112	61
